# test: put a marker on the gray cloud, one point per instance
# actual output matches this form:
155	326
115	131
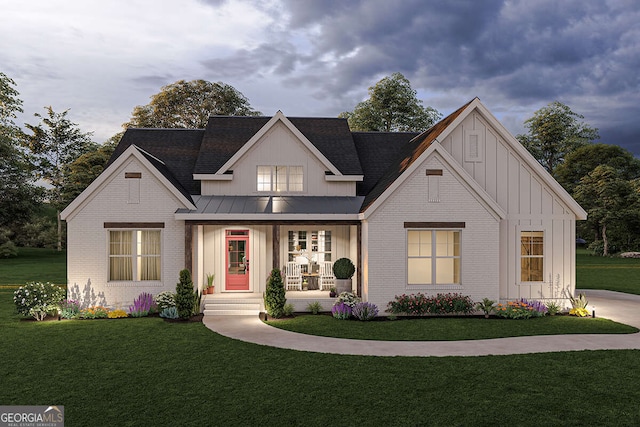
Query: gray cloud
516	52
318	57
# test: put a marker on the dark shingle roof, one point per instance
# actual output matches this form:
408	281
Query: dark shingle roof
164	170
332	137
408	154
377	151
177	148
380	156
225	135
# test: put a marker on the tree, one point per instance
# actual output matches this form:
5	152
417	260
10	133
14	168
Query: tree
392	107
583	160
611	203
78	174
554	132
18	195
54	143
186	104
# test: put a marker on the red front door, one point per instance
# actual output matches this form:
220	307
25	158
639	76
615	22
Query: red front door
237	276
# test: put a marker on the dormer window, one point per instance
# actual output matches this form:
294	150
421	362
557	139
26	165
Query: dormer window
280	179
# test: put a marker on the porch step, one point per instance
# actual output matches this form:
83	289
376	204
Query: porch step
232	307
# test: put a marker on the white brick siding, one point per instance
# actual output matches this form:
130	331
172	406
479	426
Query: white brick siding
87	242
386	254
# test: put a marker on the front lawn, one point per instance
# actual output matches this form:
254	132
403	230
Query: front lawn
610	273
34	265
448	328
140	372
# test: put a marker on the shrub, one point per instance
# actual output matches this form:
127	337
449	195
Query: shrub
580	302
343	268
364	311
341	311
8	250
486	306
116	314
274	296
348	298
420	304
579	306
522	309
288	309
95	312
314	307
184	295
553	308
169	313
38	299
580	312
142	305
69	309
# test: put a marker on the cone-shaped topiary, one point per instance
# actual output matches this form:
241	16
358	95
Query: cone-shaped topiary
274	296
184	295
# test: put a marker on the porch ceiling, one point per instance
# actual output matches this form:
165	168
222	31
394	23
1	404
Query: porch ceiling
283	205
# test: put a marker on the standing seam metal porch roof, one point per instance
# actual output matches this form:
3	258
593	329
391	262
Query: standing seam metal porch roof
242	205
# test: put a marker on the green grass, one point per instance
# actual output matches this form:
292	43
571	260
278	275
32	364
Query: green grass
34	265
610	273
447	328
137	372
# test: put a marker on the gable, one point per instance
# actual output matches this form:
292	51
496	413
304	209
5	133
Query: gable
423	192
227	139
504	168
407	156
136	174
491	157
277	146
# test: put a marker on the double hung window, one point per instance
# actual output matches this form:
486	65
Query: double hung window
531	256
433	257
134	255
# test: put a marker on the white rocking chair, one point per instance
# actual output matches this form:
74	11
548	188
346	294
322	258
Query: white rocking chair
326	278
293	277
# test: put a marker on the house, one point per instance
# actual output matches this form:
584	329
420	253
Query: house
461	207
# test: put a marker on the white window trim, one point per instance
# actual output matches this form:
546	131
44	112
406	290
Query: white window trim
545	255
272	183
134	282
433	285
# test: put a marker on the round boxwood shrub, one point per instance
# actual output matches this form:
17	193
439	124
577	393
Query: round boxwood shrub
343	268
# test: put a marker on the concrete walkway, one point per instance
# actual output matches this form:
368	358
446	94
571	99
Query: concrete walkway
623	308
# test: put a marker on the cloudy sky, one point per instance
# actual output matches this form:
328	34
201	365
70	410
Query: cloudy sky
318	57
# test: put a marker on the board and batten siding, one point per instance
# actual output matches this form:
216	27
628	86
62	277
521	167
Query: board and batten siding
214	254
529	203
385	237
87	241
278	147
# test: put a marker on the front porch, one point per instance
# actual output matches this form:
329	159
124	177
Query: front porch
252	303
241	254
